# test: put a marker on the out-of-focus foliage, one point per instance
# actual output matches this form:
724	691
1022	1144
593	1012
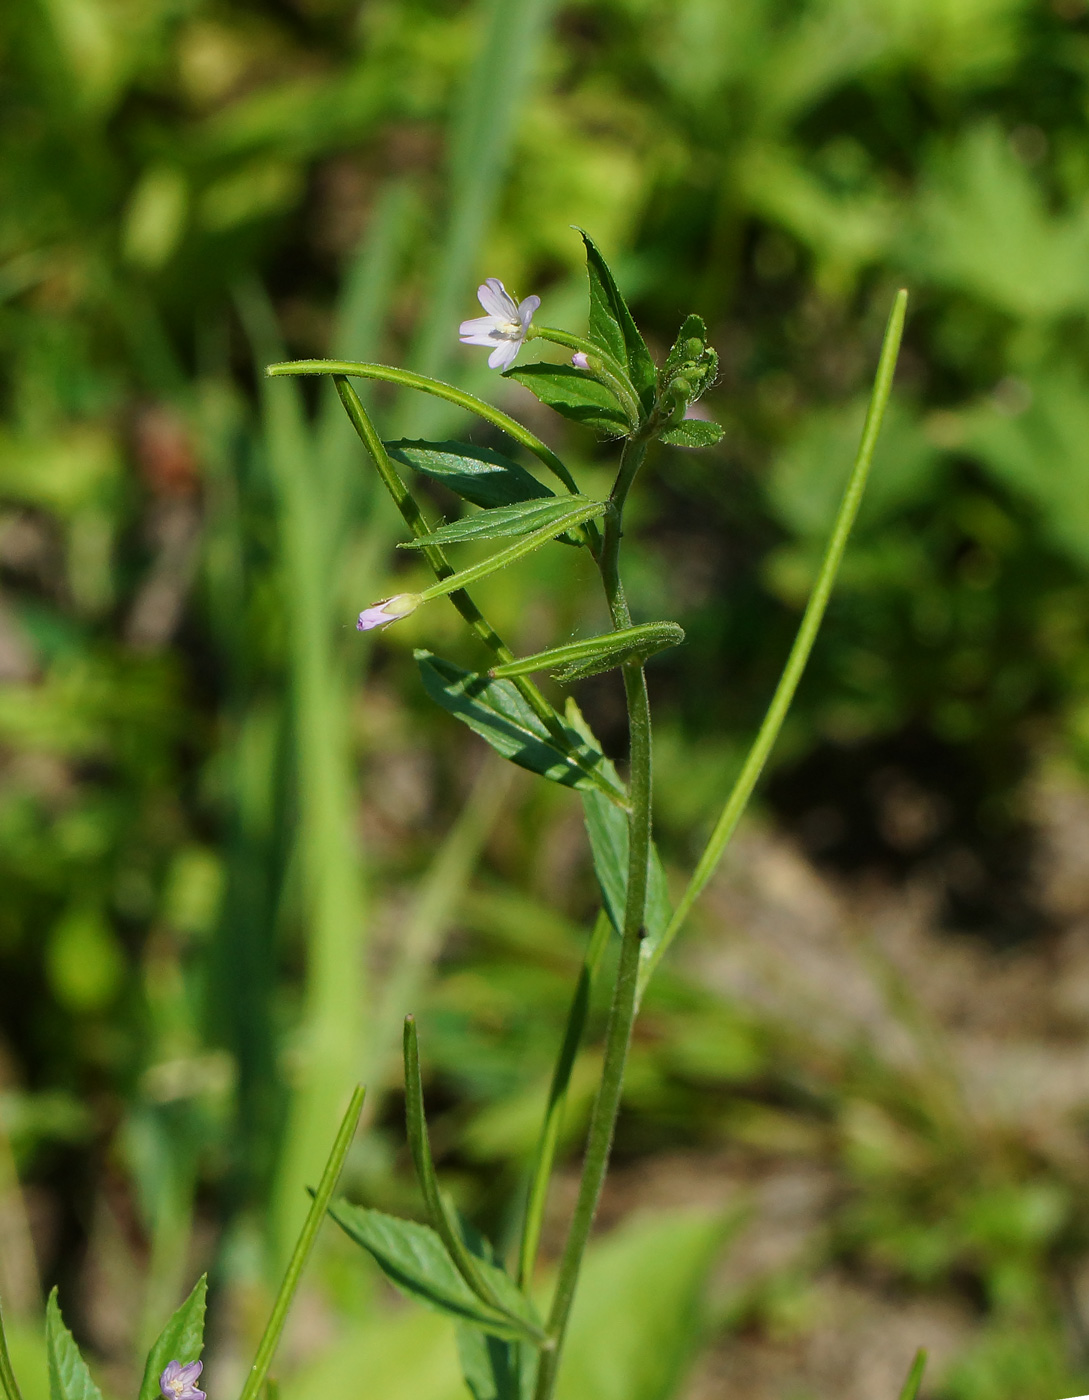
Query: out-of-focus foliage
195	769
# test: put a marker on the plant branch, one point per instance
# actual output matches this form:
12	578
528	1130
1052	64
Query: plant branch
624	1005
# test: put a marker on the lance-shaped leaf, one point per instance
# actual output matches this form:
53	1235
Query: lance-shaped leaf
593	655
182	1339
607	828
490	1284
612	327
576	395
415	1260
565	519
69	1378
476	474
693	432
495	710
503	521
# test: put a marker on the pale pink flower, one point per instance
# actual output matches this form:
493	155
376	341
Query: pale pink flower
179	1382
506	325
580	360
387	611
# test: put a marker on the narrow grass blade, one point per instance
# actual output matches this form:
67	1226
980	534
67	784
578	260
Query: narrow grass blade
484	123
7	1372
803	642
910	1389
545	1157
330	1037
320	1204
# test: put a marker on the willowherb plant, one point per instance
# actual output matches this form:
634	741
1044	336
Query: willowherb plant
610	384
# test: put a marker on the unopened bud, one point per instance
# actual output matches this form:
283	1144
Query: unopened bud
387	611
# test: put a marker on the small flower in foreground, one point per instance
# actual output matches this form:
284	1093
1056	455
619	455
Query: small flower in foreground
387	611
178	1382
580	360
506	325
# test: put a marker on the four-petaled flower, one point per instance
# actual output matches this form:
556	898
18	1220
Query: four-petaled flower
178	1382
506	325
387	611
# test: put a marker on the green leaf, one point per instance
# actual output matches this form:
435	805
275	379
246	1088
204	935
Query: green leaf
182	1339
495	1369
477	474
415	1260
612	327
693	432
576	395
607	828
495	710
475	1264
596	654
503	521
69	1378
572	511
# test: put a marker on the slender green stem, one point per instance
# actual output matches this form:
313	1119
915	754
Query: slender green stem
7	1371
545	1156
622	1013
610	372
440	565
803	642
267	1347
406	377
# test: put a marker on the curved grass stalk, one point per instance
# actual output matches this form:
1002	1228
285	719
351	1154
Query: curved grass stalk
803	642
410	380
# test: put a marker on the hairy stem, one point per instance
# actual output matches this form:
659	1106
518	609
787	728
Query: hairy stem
622	1013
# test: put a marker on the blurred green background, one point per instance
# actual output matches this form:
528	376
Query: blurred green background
236	845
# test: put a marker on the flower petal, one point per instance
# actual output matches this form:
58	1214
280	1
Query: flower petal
526	310
504	355
496	300
481	330
188	1374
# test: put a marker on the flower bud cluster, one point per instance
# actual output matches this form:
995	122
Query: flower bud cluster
689	370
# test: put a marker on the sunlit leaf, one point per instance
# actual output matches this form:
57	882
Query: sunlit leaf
69	1378
503	521
496	711
607	828
693	432
477	474
182	1339
612	327
593	655
414	1258
575	395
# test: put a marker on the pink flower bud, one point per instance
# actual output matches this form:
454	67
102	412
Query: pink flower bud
387	611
